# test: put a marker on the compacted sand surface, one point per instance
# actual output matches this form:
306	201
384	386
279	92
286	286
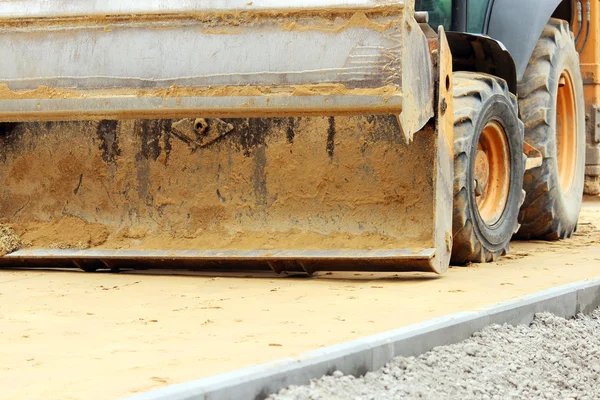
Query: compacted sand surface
74	335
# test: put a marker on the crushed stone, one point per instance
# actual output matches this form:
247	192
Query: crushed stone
553	358
9	240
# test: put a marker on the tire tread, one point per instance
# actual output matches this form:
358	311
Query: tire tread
540	214
471	91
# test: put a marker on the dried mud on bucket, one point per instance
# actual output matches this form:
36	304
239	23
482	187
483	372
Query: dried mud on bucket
9	240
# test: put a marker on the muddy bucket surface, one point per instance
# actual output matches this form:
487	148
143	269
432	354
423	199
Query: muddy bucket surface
335	193
315	184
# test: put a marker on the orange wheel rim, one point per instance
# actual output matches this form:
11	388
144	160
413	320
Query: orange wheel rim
492	173
566	132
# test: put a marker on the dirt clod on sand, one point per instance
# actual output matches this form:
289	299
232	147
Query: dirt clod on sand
592	185
9	240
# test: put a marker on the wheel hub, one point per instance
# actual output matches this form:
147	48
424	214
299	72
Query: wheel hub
566	132
482	173
491	173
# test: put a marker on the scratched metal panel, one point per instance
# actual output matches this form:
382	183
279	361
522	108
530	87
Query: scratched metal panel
159	54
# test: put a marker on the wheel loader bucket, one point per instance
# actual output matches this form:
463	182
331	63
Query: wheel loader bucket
297	139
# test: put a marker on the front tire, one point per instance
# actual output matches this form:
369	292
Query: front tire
553	110
488	168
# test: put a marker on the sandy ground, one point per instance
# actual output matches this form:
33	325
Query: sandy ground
72	335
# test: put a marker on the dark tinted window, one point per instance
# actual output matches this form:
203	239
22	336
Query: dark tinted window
440	12
477	13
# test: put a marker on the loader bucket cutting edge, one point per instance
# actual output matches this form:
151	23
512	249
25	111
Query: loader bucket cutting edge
344	192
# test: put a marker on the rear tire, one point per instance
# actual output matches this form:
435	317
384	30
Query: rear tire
488	168
557	129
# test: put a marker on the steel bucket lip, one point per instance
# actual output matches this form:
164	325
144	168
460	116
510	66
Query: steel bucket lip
293	261
122	107
55	9
219	255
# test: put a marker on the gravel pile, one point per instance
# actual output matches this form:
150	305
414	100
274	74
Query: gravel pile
553	358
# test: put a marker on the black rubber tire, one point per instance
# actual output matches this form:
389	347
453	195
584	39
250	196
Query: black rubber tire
548	213
478	100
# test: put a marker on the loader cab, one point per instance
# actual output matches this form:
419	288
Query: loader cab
456	15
